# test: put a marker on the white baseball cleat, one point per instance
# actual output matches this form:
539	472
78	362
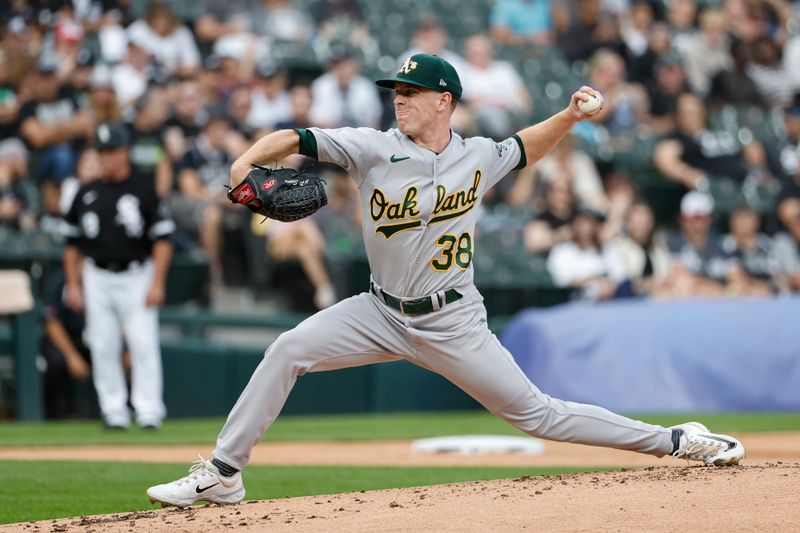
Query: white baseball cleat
698	444
203	484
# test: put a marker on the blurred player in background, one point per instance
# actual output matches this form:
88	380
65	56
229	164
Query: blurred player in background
115	261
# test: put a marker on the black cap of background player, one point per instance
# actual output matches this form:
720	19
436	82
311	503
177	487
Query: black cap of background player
111	135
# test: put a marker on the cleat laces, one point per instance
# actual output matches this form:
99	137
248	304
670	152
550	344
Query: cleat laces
700	448
198	470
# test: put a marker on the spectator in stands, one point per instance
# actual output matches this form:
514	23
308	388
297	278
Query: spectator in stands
592	30
219	19
752	249
681	15
52	125
791	58
13	200
592	270
200	206
132	75
552	225
333	10
239	105
643	252
48	217
751	19
107	28
66	42
643	67
340	221
271	103
10	102
22	45
342	22
162	35
343	97
707	51
301	241
522	22
734	86
787	247
188	116
625	105
788	150
494	92
693	153
66	356
636	27
148	153
80	79
102	100
302	103
281	21
430	37
565	161
775	84
701	266
663	92
213	81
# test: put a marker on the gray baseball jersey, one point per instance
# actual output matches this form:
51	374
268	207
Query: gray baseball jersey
420	210
419	207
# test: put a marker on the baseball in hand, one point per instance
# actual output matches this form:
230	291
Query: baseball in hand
592	105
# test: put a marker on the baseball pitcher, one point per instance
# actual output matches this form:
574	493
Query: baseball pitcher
420	186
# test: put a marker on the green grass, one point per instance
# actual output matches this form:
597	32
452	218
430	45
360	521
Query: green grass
51	489
55	489
347	427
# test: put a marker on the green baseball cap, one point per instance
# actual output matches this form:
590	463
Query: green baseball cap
427	71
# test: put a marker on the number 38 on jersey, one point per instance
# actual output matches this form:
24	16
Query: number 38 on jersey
453	250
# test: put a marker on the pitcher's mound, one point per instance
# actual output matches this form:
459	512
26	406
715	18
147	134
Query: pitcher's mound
761	497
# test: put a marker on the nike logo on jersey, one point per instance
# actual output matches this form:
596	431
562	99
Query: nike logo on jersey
395	159
198	490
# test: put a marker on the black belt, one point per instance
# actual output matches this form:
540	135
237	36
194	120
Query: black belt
115	266
417	306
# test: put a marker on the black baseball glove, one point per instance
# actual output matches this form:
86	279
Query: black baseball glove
284	194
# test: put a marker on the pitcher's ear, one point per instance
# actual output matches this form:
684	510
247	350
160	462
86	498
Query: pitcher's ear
445	100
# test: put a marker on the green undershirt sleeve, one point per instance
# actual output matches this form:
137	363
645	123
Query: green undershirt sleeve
523	159
308	143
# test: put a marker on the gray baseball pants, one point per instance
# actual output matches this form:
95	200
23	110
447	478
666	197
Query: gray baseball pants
455	342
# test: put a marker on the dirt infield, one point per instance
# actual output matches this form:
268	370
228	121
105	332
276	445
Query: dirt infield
761	497
777	446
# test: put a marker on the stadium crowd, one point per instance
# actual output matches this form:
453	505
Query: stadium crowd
196	89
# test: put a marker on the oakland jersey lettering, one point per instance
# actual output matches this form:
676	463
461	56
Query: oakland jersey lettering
419	207
456	204
379	207
447	206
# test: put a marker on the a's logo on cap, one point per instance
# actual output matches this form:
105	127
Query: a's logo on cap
103	133
408	66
